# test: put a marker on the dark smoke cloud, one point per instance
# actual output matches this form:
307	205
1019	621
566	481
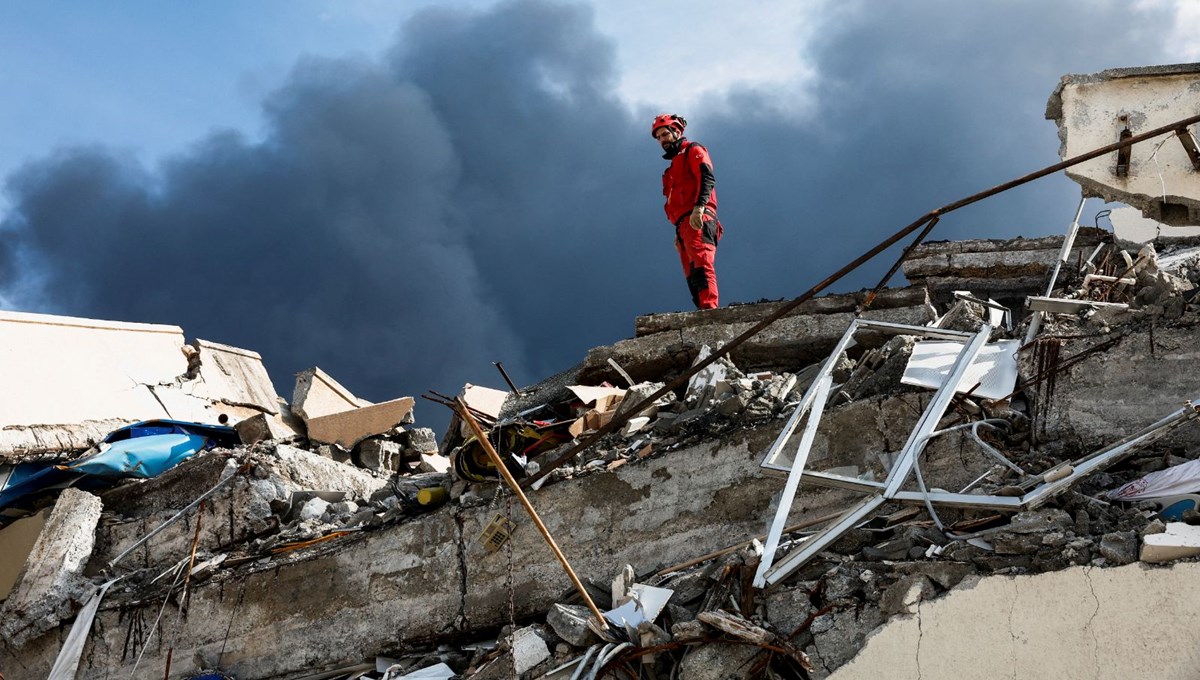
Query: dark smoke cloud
480	194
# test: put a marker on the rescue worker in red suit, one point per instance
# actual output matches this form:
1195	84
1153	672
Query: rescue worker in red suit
690	189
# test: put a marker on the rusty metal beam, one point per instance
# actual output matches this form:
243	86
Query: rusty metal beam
620	420
899	261
1124	153
1189	145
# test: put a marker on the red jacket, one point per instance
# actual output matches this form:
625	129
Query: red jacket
688	181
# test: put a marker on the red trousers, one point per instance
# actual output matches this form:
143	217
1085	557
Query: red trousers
698	253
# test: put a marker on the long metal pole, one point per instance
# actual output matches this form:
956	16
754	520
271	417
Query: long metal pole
465	414
620	420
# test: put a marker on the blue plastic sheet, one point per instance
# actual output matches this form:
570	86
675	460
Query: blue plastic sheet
144	449
143	457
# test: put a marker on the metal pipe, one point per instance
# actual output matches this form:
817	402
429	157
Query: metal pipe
465	414
899	261
507	379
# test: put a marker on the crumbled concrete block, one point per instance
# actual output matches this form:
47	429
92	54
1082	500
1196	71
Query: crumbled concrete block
433	463
263	427
715	661
1119	547
318	394
334	452
347	428
634	425
893	549
1092	109
233	375
1040	521
314	509
422	440
51	586
528	650
380	455
637	394
839	635
570	622
304	470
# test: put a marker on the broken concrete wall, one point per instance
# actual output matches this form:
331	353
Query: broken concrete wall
792	342
73	372
51	585
1110	624
79	379
233	376
1006	270
1130	226
1093	110
1148	374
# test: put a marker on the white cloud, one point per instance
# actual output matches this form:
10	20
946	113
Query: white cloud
1183	42
672	56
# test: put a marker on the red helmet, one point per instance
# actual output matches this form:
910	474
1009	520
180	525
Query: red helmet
668	120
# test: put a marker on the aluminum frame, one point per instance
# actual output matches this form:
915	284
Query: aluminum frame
813	404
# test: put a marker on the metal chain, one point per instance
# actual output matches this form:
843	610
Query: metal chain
508	548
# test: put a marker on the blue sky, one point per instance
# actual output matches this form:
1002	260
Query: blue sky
404	192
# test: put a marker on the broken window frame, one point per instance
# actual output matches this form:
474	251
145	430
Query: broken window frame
1045	486
813	403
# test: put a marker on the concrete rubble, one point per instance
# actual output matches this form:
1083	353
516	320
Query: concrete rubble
341	540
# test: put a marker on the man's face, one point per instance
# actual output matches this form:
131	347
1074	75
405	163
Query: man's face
666	136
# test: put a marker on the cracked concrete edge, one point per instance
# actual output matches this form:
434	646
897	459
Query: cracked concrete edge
1048	630
1054	103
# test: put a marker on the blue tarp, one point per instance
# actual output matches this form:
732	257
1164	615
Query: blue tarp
144	449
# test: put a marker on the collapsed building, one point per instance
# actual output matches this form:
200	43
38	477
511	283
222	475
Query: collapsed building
988	470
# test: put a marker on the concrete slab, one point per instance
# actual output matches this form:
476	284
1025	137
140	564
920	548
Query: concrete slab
318	394
791	343
51	586
1148	374
1004	269
350	427
235	376
888	298
1177	542
1092	110
1107	624
263	427
71	371
80	379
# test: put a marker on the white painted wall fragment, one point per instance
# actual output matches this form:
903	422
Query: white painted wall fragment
1093	110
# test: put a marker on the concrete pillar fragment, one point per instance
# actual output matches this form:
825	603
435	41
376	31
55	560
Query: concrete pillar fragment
51	586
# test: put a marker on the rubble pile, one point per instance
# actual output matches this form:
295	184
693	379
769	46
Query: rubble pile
286	498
